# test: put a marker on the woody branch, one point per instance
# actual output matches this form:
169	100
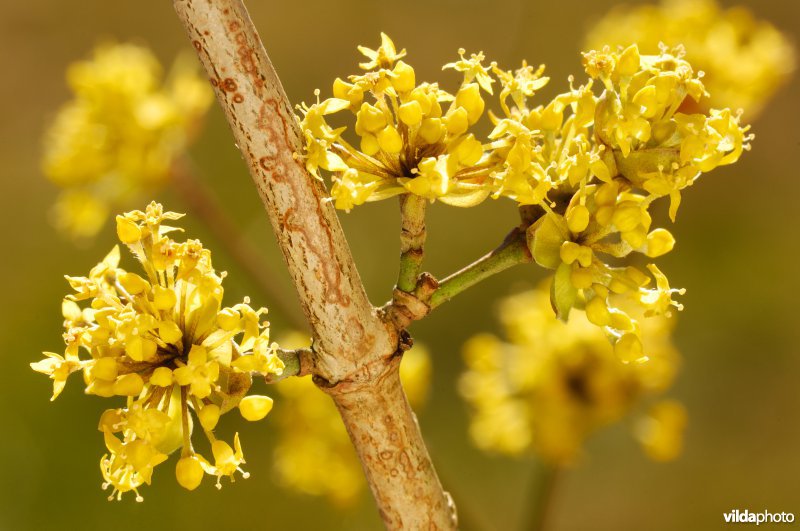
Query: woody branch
355	355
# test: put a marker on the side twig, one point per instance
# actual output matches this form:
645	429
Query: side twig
412	240
513	251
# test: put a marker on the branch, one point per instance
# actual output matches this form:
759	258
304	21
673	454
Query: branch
205	206
307	229
355	351
513	251
412	240
541	492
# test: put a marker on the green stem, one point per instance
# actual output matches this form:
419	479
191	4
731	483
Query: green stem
295	363
513	251
412	240
541	496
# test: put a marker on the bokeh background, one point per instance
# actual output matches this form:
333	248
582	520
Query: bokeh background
737	254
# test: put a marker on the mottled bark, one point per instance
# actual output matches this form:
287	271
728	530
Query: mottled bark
356	350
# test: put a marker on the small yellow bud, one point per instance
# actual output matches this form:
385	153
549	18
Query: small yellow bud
435	110
469	98
133	283
369	118
127	230
585	256
420	96
341	88
105	369
646	98
607	194
101	388
140	349
389	140
597	312
659	242
169	331
345	91
255	407
431	130
569	252
599	168
629	348
628	62
161	377
209	416
228	319
457	121
617	286
410	113
189	472
627	216
600	290
369	144
128	385
404	79
578	218
636	238
551	118
620	320
70	310
164	298
469	151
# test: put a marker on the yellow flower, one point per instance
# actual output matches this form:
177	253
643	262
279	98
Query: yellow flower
553	384
661	431
58	368
590	165
407	141
163	341
314	454
120	135
744	60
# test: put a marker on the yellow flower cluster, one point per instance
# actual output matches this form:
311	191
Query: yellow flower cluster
120	134
646	149
409	143
165	342
745	60
314	454
553	384
592	165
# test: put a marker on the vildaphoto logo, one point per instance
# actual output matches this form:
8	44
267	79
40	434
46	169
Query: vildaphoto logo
746	517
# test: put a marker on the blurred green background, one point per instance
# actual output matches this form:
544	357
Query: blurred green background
737	255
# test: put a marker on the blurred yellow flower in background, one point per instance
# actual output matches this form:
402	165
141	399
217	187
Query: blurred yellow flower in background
552	384
745	60
314	454
120	135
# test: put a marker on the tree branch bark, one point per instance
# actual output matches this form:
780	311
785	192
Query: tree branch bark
356	351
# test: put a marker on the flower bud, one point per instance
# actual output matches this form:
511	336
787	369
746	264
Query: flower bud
659	242
128	385
209	416
189	472
255	407
410	113
404	78
127	230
